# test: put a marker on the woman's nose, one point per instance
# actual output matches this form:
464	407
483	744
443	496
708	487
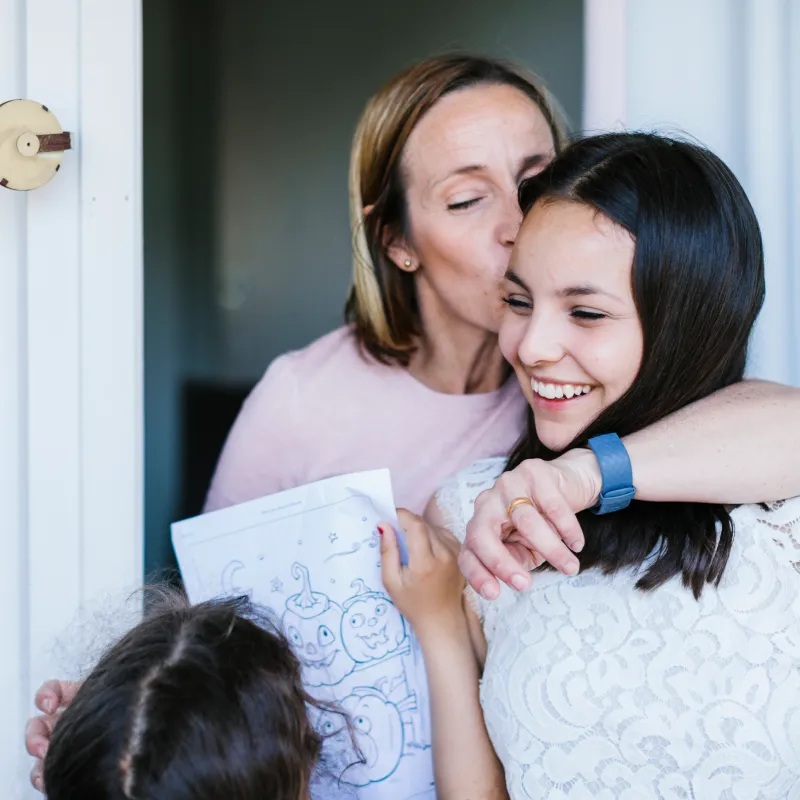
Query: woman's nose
510	221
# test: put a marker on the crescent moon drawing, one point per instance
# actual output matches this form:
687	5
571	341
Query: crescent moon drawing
231	581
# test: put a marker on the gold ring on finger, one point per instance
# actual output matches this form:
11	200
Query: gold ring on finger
516	503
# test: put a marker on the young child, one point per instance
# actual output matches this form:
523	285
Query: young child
195	702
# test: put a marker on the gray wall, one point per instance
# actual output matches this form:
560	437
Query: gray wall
294	79
161	292
249	106
182	338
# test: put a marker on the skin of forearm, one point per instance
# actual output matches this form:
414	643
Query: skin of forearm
465	763
739	445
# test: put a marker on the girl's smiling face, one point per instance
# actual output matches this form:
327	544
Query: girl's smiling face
570	329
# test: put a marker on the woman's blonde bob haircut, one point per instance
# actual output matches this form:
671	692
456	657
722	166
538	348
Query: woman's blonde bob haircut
382	305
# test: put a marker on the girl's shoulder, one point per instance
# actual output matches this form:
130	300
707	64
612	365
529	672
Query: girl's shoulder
456	497
455	504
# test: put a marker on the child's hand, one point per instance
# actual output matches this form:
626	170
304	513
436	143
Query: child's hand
428	591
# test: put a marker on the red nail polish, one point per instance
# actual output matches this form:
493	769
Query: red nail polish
380	530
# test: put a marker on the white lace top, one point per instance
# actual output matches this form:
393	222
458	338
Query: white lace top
595	690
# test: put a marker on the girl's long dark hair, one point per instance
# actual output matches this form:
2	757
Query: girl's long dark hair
698	285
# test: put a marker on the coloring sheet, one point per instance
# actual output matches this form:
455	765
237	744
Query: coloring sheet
311	555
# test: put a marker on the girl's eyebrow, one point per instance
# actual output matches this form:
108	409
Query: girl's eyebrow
514	278
585	290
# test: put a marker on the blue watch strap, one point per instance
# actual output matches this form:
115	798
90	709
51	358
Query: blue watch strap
615	467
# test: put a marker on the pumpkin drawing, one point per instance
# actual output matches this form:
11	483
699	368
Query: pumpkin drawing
379	734
372	627
337	741
312	623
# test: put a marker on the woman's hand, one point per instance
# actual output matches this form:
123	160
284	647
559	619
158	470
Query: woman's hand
52	698
546	529
428	591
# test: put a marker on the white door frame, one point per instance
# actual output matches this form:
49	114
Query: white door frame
71	406
605	64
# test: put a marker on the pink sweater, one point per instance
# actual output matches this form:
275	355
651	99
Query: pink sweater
327	410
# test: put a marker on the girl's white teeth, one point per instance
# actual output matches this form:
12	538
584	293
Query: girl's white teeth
560	391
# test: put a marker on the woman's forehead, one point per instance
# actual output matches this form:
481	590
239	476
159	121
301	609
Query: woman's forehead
477	128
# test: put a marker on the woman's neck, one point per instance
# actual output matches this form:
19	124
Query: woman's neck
454	357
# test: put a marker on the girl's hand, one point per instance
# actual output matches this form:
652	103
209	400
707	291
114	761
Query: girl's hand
428	591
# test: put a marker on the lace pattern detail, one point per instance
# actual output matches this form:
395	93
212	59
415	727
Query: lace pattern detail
593	689
456	500
448	499
782	522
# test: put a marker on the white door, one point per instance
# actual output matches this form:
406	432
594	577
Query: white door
70	345
728	73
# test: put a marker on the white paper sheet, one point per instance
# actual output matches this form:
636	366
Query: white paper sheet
312	556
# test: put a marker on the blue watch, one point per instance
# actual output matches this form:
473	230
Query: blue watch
615	467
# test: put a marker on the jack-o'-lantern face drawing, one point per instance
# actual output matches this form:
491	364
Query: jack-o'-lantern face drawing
312	623
372	626
338	752
379	734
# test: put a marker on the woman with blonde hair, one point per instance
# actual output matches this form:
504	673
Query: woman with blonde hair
415	381
435	163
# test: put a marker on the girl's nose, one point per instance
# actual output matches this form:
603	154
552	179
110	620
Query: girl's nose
542	343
